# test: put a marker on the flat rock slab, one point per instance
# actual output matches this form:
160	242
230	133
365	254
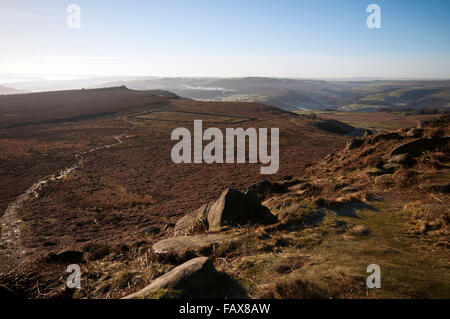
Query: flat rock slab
417	147
183	243
196	273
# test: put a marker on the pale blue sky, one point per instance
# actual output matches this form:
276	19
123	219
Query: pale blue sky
314	38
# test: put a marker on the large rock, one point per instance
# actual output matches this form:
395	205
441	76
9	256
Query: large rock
355	143
197	273
232	208
193	222
183	243
399	159
236	208
414	132
262	189
384	137
417	147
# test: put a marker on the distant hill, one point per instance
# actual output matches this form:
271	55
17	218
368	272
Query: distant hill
8	90
420	96
287	94
296	94
63	106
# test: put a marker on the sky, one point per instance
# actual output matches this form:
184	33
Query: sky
283	38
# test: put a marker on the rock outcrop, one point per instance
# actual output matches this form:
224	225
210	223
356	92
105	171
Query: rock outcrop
236	208
262	189
417	147
183	243
197	273
232	208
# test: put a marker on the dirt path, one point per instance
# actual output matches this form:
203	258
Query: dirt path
10	222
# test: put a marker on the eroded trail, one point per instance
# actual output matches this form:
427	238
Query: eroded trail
10	245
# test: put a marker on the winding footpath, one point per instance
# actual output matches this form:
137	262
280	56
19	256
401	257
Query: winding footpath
10	245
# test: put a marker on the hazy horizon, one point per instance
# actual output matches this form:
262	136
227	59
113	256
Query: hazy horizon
6	78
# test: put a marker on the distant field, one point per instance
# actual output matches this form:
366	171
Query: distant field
190	117
379	121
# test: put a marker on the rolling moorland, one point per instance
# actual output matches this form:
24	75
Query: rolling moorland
87	178
289	94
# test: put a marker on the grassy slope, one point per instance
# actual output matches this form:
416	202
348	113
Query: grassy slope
333	263
379	121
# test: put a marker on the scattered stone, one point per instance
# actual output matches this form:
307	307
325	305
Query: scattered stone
391	167
183	243
399	159
374	197
151	230
360	230
384	137
417	147
354	143
351	189
414	132
198	273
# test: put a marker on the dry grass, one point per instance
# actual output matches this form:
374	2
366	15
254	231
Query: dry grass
432	219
